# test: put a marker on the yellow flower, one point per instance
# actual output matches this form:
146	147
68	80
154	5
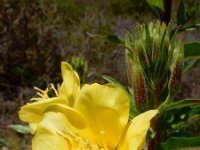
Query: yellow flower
95	117
66	95
98	120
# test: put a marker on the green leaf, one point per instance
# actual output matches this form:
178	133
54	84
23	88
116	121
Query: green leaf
190	28
181	15
192	50
189	66
20	128
156	3
157	7
179	104
195	111
181	142
108	38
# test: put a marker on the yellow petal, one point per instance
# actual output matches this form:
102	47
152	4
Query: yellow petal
33	112
47	135
106	108
71	83
47	141
33	127
75	118
134	135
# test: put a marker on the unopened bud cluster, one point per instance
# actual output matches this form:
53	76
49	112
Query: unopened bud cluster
154	64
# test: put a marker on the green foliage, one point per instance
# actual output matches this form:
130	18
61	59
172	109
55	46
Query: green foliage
154	64
157	7
181	15
179	105
190	65
192	27
177	122
186	16
181	142
192	50
155	55
195	111
192	53
187	10
156	3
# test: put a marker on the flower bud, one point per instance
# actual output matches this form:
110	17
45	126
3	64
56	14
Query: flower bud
139	83
129	69
176	68
141	45
154	64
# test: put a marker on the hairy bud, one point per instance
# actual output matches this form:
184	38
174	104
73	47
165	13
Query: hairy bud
139	84
176	69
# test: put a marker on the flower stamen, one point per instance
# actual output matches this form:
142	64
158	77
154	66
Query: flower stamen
43	94
77	142
54	89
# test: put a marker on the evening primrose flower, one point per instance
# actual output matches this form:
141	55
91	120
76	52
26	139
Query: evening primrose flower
98	121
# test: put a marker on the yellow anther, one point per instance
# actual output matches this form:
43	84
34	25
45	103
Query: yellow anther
42	93
38	89
54	89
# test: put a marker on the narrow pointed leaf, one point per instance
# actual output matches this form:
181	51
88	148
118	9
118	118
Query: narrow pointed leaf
157	7
190	28
192	50
156	3
189	66
181	15
180	104
181	142
108	38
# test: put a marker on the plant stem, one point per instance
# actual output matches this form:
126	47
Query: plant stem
167	11
154	142
155	99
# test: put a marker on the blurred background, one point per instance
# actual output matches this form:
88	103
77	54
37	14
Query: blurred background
35	36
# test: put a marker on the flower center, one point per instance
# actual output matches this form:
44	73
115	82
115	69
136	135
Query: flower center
77	142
